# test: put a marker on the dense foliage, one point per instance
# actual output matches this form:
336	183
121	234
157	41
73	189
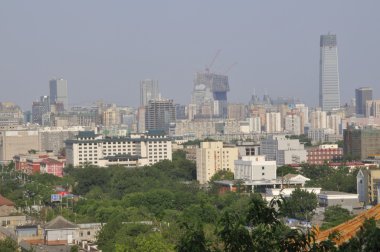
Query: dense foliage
162	208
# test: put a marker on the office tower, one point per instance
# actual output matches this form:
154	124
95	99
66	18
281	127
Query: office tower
58	92
329	94
362	95
210	91
159	114
148	91
40	110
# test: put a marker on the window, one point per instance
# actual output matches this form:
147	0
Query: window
262	168
88	233
263	173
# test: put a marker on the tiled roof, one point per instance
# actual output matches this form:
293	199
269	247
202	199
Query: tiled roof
5	202
60	223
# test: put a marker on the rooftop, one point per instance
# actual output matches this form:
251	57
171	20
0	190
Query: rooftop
60	223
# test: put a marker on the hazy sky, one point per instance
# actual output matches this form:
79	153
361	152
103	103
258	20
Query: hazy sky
104	48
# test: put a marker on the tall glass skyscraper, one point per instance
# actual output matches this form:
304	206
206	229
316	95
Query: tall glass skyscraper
58	92
148	91
329	92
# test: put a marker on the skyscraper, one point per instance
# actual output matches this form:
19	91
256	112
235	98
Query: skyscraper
329	94
210	90
148	91
362	95
58	92
159	114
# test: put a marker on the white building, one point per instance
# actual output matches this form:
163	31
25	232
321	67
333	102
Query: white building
254	124
283	150
255	168
273	122
329	92
213	157
318	119
293	124
334	123
89	148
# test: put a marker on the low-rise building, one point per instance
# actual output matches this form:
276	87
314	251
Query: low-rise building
345	200
324	153
254	168
95	149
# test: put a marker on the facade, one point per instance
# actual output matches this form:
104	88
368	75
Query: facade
210	91
58	92
159	114
324	153
348	201
148	91
318	119
283	150
236	111
40	162
273	122
60	231
255	168
329	91
213	157
373	108
293	124
368	182
10	114
13	142
40	110
89	148
360	143
362	95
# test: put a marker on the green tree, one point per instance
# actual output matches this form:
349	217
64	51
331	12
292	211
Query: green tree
193	239
335	215
8	245
234	234
300	204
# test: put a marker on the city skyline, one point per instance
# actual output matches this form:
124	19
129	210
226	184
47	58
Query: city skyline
276	54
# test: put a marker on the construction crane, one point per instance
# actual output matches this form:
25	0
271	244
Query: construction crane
213	60
229	68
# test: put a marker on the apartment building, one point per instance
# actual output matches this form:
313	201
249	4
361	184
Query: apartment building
213	157
95	149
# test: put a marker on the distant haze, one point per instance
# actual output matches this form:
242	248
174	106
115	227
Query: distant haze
104	48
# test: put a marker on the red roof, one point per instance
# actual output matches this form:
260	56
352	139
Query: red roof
5	202
51	161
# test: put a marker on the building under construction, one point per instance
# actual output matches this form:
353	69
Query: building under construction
210	94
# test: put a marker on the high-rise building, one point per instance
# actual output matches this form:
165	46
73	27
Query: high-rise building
360	143
40	110
210	90
58	92
362	95
148	91
373	108
159	114
329	93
